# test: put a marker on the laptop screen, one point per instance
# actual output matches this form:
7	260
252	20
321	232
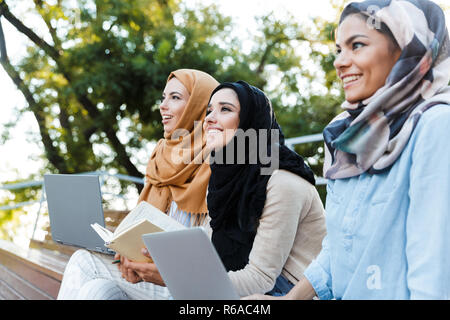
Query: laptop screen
74	203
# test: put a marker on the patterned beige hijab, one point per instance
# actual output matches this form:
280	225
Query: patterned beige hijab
369	136
176	170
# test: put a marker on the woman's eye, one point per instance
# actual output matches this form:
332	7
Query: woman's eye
226	109
338	51
357	45
208	111
176	97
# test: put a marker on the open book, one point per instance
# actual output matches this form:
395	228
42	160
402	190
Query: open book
127	238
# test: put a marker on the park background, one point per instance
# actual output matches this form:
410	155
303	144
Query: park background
80	83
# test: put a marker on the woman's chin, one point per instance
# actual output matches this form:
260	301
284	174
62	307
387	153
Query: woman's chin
167	129
213	146
356	97
353	98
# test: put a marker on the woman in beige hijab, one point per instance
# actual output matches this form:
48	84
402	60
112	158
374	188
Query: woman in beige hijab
176	174
176	182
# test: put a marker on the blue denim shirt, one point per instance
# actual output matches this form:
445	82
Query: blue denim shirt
389	234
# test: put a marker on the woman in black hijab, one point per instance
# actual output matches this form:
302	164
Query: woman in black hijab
267	219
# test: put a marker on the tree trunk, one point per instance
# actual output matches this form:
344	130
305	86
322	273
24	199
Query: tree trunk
122	157
51	151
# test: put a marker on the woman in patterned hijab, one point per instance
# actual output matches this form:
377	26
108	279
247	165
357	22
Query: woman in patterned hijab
387	158
372	132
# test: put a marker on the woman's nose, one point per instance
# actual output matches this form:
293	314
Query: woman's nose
342	60
163	105
210	117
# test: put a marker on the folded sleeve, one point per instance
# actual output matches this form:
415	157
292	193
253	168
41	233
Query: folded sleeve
318	273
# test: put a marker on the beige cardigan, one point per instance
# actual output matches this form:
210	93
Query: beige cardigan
289	235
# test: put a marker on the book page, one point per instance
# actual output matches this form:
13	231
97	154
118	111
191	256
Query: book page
129	243
131	218
104	233
131	226
145	210
145	218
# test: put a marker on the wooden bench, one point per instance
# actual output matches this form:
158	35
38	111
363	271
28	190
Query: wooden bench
30	274
36	273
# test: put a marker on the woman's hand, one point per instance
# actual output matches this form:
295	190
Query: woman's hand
127	273
303	290
144	271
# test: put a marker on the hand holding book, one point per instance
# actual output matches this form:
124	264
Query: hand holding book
135	272
127	238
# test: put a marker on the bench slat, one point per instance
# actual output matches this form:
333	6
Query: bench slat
39	269
32	274
8	293
21	288
45	261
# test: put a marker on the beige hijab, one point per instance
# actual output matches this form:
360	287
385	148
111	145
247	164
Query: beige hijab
176	170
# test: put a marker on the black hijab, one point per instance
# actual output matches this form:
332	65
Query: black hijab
237	192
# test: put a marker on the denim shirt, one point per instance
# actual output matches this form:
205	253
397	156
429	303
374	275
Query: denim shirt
388	234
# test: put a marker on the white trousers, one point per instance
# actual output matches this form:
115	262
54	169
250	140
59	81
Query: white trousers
92	276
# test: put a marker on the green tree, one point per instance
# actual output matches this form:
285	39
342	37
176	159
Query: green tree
108	61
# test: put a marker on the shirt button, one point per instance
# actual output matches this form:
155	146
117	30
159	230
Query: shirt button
348	241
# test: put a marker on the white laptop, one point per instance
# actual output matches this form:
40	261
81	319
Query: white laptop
74	203
189	265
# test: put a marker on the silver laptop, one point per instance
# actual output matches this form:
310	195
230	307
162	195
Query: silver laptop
189	265
74	203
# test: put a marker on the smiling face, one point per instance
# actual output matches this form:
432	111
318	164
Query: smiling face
174	99
365	58
222	118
